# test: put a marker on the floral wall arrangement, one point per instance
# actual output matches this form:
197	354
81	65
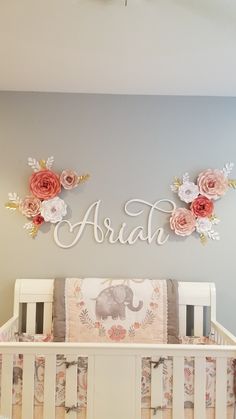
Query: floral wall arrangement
200	196
43	204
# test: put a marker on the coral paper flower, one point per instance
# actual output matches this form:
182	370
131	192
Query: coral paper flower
30	206
38	220
182	222
117	333
69	179
53	210
45	184
188	191
212	183
202	207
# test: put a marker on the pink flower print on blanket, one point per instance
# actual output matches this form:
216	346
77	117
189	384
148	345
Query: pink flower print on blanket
117	333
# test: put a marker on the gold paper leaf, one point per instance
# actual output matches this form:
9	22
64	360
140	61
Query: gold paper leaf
203	238
42	164
177	182
12	205
33	232
83	178
232	183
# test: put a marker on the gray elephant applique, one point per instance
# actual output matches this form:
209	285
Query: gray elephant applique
112	301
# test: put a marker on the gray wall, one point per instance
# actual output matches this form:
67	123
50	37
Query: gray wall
132	146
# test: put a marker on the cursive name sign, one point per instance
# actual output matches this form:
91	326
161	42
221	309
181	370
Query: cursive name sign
105	232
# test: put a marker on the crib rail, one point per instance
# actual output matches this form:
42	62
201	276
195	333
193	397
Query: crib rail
9	330
220	335
114	378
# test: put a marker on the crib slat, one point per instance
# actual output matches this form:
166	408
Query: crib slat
156	389
49	387
138	387
6	385
28	387
182	320
200	389
198	320
221	388
178	387
47	318
31	318
90	388
71	386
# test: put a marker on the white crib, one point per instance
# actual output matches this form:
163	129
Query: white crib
114	370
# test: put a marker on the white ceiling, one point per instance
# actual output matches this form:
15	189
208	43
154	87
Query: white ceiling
185	47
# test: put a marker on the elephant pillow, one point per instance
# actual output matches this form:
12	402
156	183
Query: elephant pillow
116	310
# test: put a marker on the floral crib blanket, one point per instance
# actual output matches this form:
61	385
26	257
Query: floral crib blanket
115	310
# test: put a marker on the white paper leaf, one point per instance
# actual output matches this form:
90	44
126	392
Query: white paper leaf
34	164
215	220
28	226
50	162
228	169
13	197
185	177
213	235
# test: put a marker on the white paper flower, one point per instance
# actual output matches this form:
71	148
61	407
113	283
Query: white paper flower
203	225
188	191
53	210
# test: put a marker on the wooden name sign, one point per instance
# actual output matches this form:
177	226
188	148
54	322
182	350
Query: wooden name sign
124	235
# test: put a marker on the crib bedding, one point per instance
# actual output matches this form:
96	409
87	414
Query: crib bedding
120	310
145	380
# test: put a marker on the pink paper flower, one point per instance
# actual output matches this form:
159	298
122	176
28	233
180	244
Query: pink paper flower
117	333
182	222
212	183
202	207
45	184
69	179
30	206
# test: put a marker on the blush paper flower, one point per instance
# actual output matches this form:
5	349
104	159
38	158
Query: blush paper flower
200	196
69	179
212	183
44	205
183	222
30	206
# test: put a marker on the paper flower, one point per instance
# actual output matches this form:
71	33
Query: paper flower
202	207
38	220
30	206
211	185
183	222
188	191
53	210
69	179
45	185
203	225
